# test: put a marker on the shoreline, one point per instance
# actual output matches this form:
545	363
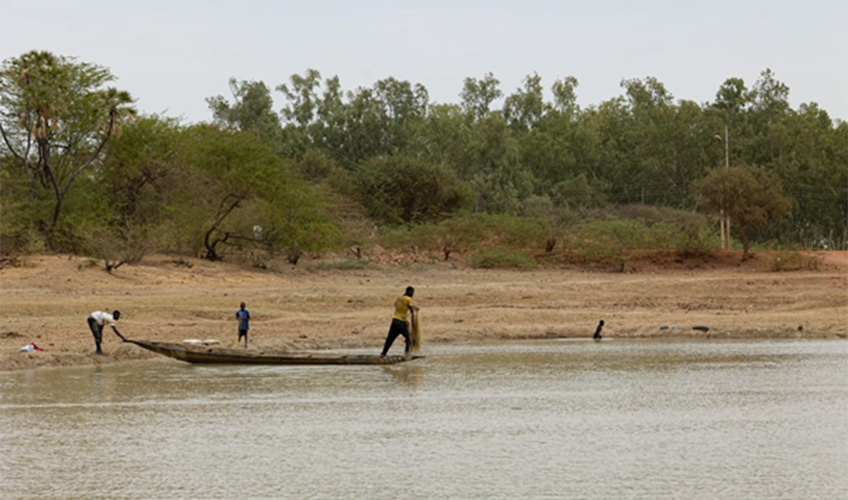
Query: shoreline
25	361
48	298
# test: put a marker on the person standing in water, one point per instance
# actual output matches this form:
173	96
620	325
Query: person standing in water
597	335
97	320
400	321
243	317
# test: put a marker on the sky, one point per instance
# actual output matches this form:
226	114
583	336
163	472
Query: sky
172	55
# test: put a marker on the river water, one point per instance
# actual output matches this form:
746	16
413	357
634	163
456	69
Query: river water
552	419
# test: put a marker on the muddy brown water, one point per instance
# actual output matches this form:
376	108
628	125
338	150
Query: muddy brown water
552	419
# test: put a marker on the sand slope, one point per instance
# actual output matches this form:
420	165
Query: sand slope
47	298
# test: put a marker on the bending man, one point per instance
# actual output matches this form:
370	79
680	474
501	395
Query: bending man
97	320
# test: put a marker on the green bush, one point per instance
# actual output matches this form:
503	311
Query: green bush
18	233
399	190
611	243
607	243
468	231
793	261
538	207
20	211
315	165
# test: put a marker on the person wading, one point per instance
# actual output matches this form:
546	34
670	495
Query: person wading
400	322
243	317
97	320
598	331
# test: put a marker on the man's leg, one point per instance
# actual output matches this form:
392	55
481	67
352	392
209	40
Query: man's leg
408	339
390	338
99	338
97	331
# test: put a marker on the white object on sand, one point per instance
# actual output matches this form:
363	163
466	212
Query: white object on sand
201	342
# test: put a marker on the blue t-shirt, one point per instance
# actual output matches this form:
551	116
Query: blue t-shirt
243	315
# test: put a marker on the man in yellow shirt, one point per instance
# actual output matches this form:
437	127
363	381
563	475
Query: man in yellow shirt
400	323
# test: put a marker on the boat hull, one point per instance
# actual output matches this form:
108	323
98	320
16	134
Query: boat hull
213	355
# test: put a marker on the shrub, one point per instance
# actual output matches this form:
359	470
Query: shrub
793	261
611	243
315	165
397	189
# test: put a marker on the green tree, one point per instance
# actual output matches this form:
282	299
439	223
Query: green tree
768	117
565	97
812	168
56	116
409	190
477	96
443	137
494	167
302	96
577	192
524	108
378	120
751	196
560	145
364	125
403	106
299	113
252	110
139	178
238	193
651	161
330	132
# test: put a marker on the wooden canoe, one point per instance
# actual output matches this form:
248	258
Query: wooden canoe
206	354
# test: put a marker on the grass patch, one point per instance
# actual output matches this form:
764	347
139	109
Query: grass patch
793	261
339	265
466	232
501	257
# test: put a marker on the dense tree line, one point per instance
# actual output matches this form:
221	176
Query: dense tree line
84	171
641	147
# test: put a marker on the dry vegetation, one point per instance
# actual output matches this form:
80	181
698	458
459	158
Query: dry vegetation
46	299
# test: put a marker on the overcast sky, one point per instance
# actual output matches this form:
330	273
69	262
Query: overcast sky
171	55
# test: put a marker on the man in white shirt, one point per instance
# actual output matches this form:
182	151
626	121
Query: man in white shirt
97	320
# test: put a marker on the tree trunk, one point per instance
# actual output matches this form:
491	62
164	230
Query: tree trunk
744	242
293	257
211	252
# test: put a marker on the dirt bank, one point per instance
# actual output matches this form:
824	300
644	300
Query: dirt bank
46	300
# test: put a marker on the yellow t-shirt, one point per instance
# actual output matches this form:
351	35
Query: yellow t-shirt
402	305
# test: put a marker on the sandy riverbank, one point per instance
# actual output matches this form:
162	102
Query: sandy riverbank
46	300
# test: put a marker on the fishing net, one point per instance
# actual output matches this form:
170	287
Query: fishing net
415	333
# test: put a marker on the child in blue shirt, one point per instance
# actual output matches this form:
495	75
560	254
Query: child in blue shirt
243	317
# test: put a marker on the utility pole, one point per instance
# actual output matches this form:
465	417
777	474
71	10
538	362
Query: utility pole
724	220
727	165
726	148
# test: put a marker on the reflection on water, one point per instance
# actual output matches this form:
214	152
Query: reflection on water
409	374
534	420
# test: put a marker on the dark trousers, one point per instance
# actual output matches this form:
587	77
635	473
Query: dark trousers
398	328
97	331
242	333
